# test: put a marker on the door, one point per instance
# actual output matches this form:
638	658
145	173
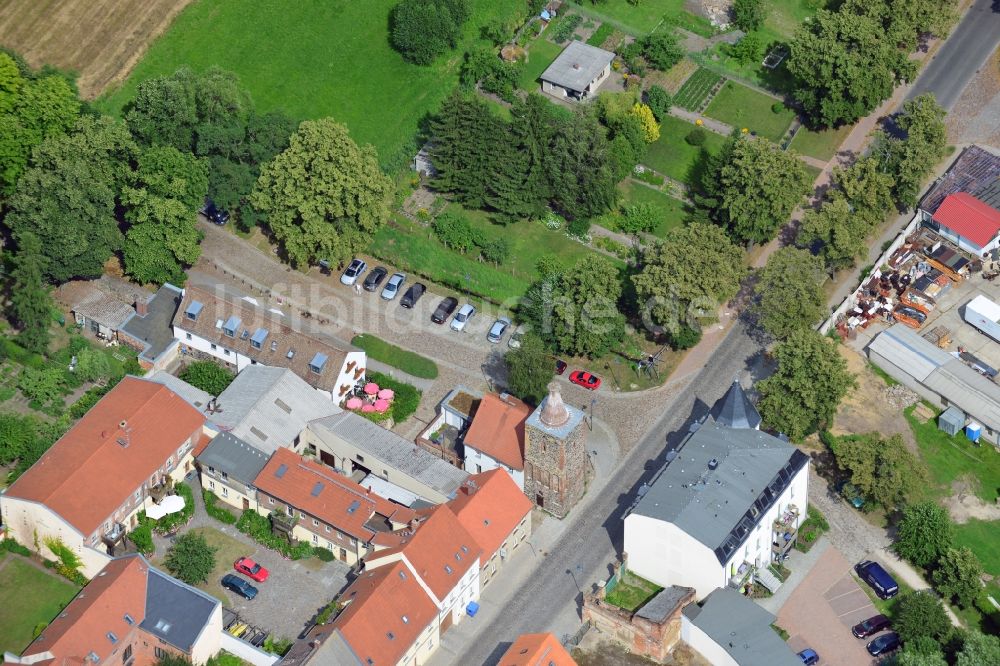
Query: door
540	500
343	554
446	622
246	504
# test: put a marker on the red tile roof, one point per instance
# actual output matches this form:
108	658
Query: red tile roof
498	429
489	506
91	471
441	551
100	607
536	650
321	492
384	601
969	217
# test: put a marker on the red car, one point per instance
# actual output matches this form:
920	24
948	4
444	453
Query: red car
585	379
248	567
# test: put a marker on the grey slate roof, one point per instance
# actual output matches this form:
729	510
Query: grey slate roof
154	330
269	406
735	410
975	170
238	459
193	395
392	450
175	612
989	194
741	628
577	66
660	607
941	372
717	506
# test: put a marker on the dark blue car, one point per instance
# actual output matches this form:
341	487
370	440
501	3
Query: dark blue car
239	586
884	644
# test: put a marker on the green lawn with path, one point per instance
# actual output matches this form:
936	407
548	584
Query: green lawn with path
316	58
409	362
639	18
740	106
541	53
671	211
822	144
673	156
28	596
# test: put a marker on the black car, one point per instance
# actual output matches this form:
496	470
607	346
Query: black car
884	644
375	278
239	586
871	626
413	295
560	366
214	213
444	310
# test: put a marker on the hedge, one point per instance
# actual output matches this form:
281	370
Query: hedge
406	398
217	512
258	528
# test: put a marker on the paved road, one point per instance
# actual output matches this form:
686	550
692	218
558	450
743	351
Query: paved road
593	538
968	47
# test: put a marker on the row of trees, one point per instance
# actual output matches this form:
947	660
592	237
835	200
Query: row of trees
929	639
847	61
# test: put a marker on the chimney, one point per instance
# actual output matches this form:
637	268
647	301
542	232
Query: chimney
554	412
141	307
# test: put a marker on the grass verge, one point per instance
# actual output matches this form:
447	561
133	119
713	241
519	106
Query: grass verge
388	353
822	144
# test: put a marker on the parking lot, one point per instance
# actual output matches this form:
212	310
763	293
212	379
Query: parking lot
822	610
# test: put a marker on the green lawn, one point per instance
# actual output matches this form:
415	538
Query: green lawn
822	144
415	249
315	58
672	211
675	157
407	361
640	18
28	597
632	592
981	537
741	106
541	53
949	458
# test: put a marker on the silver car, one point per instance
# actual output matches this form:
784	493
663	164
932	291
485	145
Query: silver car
465	313
393	286
497	330
353	272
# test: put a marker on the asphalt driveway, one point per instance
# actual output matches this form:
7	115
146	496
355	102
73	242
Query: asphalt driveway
822	610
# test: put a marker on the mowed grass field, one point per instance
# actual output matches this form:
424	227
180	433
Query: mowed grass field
100	40
315	58
28	596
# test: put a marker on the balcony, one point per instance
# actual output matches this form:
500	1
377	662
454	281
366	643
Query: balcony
743	576
784	533
282	524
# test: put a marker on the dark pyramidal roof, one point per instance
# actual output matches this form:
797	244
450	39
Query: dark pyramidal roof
734	410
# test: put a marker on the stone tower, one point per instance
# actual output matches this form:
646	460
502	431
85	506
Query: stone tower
555	455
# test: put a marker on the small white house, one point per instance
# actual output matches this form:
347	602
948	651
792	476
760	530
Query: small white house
577	72
727	503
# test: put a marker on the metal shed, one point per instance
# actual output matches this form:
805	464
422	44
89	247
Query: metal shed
952	420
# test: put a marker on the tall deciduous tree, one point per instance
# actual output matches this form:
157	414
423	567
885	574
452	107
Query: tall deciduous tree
911	159
958	575
191	558
749	15
685	277
883	469
919	614
529	369
424	29
803	393
68	197
759	186
978	648
30	303
844	65
323	196
835	231
585	316
924	533
788	296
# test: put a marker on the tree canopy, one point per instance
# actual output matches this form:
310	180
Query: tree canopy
958	576
788	296
924	533
529	369
911	159
803	393
685	277
323	196
190	558
208	376
749	15
424	29
978	648
30	303
882	468
920	614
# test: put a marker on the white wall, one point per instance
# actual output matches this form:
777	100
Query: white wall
476	462
708	648
29	522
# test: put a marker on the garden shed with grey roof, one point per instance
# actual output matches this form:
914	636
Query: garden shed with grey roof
577	72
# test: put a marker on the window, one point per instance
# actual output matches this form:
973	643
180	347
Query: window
315	523
225	491
226	352
127	654
214	347
160	652
225	477
270	500
187	336
360	458
327	528
211	485
129	620
138	494
315	540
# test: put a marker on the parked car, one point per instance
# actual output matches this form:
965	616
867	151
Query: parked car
585	379
871	626
251	569
497	330
516	337
392	287
809	657
877	578
560	366
375	278
444	310
413	295
353	272
214	214
239	586
465	313
884	644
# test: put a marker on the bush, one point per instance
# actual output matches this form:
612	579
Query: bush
661	50
659	101
696	137
579	227
777	107
424	29
323	553
407	397
685	337
11	546
258	528
142	536
566	27
172	521
209	377
219	513
455	232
